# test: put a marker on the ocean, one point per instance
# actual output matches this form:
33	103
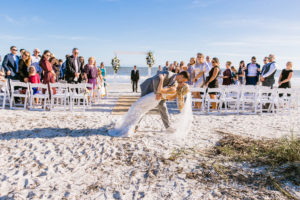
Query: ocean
123	75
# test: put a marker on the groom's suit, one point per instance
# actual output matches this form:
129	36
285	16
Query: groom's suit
151	85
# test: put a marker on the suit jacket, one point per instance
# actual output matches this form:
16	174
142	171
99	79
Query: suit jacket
71	68
135	75
9	64
151	84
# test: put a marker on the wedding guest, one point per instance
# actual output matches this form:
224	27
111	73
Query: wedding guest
135	76
170	68
91	74
35	59
212	79
252	72
166	67
267	75
63	69
241	72
201	71
24	64
190	69
34	78
54	63
73	67
266	62
286	76
159	69
82	78
59	69
235	80
208	62
227	75
103	75
49	74
233	71
21	52
182	66
11	64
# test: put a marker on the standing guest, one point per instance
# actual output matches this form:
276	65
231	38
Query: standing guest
35	59
11	64
182	66
63	69
286	76
233	71
267	75
21	52
190	70
135	76
212	79
201	71
49	74
59	69
91	74
73	67
103	76
241	72
266	62
208	62
170	68
235	80
227	75
54	63
82	77
166	67
24	64
34	78
159	69
252	72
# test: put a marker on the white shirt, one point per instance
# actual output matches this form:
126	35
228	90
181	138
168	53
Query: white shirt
252	70
200	68
35	62
271	71
76	65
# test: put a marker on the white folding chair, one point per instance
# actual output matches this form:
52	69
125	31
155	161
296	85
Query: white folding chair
59	100
249	96
283	100
78	96
42	99
232	98
16	88
199	100
266	99
218	100
4	93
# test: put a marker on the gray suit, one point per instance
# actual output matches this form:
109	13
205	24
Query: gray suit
151	85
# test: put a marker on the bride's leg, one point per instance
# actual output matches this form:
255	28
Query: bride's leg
163	111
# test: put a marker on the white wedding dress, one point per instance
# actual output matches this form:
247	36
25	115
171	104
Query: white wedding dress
125	127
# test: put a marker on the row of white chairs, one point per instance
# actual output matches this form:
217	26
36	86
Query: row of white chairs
246	99
72	96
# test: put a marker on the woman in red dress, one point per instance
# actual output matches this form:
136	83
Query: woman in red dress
49	74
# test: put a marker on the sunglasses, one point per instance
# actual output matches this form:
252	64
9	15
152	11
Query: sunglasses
213	62
15	49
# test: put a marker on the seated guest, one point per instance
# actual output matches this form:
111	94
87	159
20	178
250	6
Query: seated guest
268	74
24	64
212	79
252	72
227	76
34	78
286	76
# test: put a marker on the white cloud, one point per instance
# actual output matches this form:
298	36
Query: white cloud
23	20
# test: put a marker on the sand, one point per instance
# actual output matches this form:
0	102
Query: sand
68	155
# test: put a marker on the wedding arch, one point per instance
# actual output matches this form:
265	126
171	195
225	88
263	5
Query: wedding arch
149	59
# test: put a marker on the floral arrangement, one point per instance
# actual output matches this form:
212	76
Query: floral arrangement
115	62
150	59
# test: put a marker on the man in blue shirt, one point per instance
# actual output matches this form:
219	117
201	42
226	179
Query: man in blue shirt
10	64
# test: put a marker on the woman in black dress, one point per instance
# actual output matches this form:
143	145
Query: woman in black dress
285	76
24	65
212	79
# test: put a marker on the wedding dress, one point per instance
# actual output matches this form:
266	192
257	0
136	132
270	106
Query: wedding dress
125	127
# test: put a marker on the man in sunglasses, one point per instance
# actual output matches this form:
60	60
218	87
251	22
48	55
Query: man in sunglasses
73	66
10	64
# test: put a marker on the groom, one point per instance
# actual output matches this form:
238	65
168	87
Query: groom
151	85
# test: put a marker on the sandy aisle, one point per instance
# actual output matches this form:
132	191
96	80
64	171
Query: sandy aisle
56	154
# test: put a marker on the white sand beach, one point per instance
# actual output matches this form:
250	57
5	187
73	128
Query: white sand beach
68	155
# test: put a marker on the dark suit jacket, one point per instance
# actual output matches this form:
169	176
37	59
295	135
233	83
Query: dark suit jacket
135	75
9	64
71	69
23	70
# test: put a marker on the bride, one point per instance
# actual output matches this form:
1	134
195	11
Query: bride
126	126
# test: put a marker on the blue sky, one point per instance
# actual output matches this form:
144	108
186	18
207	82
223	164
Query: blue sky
173	29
